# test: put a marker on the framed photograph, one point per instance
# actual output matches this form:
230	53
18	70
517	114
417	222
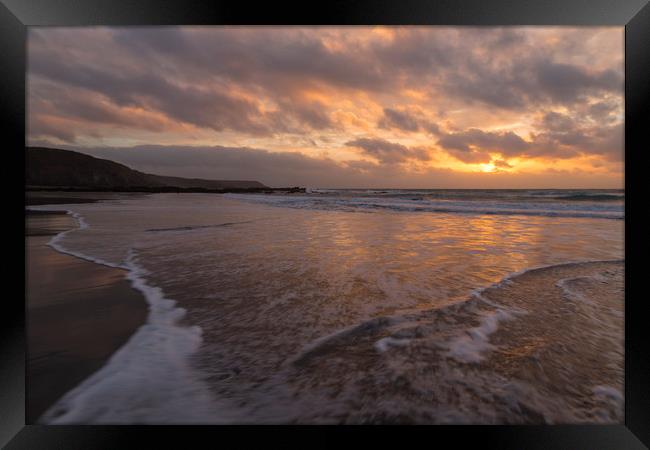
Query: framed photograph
263	218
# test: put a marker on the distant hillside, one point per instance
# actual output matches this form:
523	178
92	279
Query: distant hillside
208	184
50	167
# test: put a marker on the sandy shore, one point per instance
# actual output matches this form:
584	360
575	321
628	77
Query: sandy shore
78	314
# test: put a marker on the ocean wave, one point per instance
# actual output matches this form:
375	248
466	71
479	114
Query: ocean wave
423	205
197	227
472	361
469	346
479	194
580	196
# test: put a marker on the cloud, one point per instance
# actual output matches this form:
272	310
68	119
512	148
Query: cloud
189	73
388	152
605	111
43	126
406	121
562	137
551	92
400	120
66	104
312	114
566	82
501	164
285	59
474	145
200	106
568	135
554	121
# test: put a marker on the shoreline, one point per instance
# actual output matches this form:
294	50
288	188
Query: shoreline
78	313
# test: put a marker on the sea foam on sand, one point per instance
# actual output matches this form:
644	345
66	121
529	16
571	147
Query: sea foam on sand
149	379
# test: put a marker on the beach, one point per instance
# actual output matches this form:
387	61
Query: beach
327	225
78	313
425	307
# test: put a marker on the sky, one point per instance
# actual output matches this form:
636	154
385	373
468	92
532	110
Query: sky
376	107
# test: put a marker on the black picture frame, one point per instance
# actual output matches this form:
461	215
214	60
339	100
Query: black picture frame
17	15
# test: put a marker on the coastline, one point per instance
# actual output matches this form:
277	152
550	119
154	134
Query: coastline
78	313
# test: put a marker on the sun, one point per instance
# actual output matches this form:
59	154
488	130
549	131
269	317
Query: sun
489	167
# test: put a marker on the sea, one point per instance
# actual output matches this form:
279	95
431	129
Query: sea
360	306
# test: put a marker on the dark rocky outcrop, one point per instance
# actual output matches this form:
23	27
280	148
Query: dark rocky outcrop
51	167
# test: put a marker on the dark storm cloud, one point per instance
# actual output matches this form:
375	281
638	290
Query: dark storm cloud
564	138
604	111
149	56
406	121
256	56
507	143
555	121
471	156
388	152
530	82
416	52
198	106
398	119
49	100
565	82
501	164
567	135
606	140
311	114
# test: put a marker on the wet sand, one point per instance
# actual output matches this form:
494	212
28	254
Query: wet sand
78	314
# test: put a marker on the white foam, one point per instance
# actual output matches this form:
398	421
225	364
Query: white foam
365	327
572	294
508	279
612	404
608	392
471	346
56	241
384	344
149	379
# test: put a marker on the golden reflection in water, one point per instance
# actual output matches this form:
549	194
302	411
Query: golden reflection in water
424	259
